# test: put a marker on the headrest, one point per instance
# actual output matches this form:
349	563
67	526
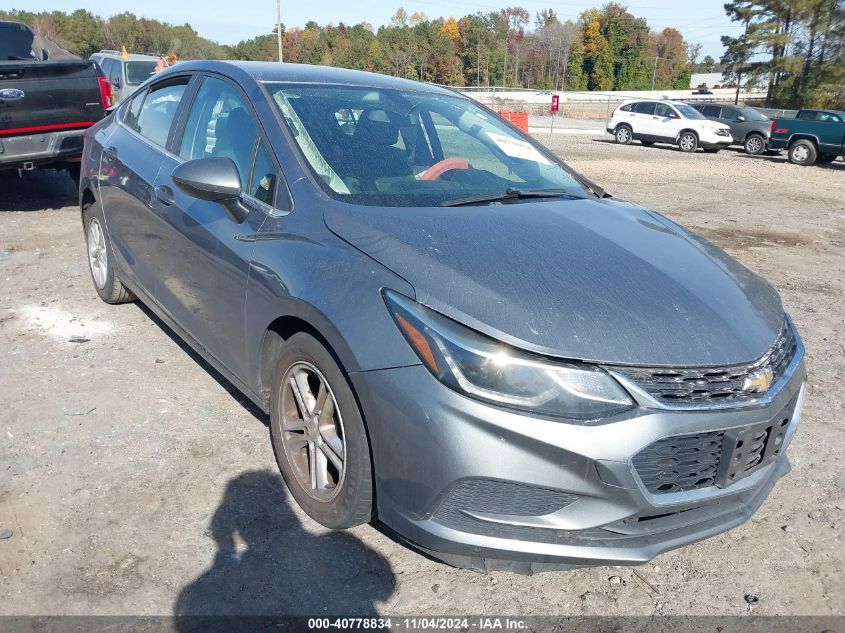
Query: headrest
374	127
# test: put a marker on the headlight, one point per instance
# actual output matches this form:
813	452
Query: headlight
485	369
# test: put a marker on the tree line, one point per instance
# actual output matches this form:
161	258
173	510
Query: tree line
605	49
793	48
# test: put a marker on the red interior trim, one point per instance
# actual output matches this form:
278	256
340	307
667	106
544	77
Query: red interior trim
45	128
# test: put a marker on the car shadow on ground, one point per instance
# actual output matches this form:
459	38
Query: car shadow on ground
837	165
39	190
267	564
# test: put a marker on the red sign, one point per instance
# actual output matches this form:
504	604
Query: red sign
555	102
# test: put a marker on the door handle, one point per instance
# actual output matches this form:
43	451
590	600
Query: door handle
110	152
164	195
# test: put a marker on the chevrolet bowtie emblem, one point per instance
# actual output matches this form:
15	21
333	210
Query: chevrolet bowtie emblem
759	381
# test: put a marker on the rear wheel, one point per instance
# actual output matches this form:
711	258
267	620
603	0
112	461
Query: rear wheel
624	134
688	142
318	435
755	144
803	152
101	258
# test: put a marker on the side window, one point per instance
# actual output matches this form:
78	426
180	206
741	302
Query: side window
644	107
730	114
264	176
159	109
131	116
712	111
115	74
665	111
220	125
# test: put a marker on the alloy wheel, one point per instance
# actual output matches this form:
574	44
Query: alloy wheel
97	255
754	145
312	431
623	135
687	142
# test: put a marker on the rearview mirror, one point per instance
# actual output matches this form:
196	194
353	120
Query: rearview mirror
215	180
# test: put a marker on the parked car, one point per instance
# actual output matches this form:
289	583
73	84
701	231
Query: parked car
652	122
812	136
702	90
45	104
450	329
126	74
749	127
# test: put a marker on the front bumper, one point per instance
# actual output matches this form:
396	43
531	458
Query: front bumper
486	488
40	149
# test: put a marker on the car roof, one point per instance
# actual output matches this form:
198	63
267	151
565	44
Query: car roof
129	57
306	73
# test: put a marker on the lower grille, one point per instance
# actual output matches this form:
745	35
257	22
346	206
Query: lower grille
680	463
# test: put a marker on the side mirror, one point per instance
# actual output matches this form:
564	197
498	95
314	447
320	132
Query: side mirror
45	54
740	119
215	180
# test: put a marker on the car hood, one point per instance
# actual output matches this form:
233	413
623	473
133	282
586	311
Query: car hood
597	280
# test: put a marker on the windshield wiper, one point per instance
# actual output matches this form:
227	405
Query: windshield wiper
511	193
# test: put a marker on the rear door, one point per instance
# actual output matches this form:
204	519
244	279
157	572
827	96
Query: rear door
132	156
642	119
204	256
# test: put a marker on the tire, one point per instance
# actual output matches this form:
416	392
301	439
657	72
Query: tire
803	152
336	497
623	134
688	141
647	143
101	263
755	144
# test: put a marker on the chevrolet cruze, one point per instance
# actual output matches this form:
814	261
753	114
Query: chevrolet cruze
452	331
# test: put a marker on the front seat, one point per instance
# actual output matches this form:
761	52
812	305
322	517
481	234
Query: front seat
375	136
235	139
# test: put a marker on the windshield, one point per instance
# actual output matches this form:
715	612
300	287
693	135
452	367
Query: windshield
138	72
688	111
382	147
752	115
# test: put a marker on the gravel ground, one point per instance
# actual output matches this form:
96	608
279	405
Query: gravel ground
135	481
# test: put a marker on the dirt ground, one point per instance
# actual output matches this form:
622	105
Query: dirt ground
134	481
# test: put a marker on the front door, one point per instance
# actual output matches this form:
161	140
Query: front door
202	273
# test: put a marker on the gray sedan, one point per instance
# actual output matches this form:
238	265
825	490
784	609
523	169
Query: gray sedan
749	128
450	330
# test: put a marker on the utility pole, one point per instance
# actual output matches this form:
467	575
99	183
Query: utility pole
478	59
279	28
654	74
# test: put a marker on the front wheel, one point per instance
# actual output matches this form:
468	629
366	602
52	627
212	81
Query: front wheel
688	142
101	258
624	135
755	144
802	152
319	437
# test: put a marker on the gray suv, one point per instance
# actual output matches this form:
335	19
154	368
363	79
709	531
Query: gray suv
749	128
125	73
450	330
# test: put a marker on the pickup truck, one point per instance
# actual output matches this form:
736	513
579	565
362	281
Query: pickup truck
45	106
813	136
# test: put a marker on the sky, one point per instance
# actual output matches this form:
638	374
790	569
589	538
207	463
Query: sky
227	22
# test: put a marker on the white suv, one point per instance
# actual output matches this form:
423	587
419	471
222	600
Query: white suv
651	121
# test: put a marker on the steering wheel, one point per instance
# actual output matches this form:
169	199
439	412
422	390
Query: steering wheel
441	167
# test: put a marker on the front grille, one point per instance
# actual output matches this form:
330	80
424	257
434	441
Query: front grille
680	463
711	385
